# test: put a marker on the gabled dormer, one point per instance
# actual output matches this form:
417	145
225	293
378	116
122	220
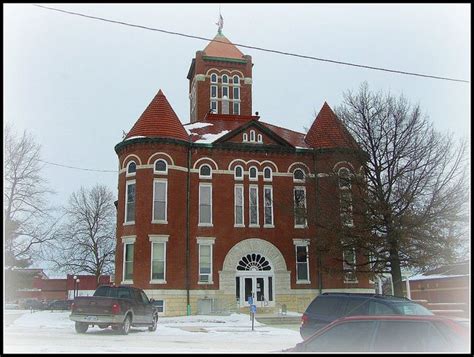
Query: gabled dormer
220	80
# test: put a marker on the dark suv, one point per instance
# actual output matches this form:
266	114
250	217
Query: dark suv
327	307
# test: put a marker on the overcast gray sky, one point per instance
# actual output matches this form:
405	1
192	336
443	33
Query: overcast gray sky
77	83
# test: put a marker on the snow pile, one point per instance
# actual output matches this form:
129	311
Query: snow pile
197	125
209	138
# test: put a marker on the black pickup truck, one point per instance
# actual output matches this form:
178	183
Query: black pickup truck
120	307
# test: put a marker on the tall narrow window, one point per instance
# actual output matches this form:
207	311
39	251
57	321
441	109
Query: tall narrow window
158	261
205	263
213	91
253	205
236	80
259	138
252	135
205	204
236	93
214	106
236	109
300	207
160	194
302	268
225	92
267	174
128	262
253	173
239	173
345	197
225	78
239	205
130	202
268	197
213	78
245	137
131	168
349	265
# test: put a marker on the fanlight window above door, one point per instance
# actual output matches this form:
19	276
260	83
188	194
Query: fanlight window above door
253	262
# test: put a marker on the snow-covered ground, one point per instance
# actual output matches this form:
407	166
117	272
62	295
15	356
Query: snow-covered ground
53	332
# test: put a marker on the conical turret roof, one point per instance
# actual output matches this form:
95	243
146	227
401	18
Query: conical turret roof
158	120
328	131
220	46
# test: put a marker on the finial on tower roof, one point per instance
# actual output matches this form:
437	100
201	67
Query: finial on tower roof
220	23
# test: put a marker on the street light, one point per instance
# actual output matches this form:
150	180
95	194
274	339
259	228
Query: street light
74	286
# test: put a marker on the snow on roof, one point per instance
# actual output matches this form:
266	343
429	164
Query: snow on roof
135	137
209	138
196	125
439	276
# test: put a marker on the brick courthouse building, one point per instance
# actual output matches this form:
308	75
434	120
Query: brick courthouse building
228	205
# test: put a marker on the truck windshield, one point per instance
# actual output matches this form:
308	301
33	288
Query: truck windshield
411	309
107	291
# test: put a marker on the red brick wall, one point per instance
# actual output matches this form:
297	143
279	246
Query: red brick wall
223	214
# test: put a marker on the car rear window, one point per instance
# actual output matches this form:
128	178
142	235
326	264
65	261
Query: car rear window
107	291
409	308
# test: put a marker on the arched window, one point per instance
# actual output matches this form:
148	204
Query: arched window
253	173
245	137
213	78
252	135
298	175
259	138
205	171
131	168
344	178
236	80
161	166
267	174
225	78
253	262
345	196
238	173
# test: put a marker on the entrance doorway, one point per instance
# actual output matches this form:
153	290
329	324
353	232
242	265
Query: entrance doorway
254	277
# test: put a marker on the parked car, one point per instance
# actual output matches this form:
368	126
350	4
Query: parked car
120	307
60	305
12	306
328	307
32	304
391	333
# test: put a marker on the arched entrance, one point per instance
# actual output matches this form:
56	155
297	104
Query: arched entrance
258	266
254	277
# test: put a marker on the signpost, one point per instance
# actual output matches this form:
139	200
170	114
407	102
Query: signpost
253	309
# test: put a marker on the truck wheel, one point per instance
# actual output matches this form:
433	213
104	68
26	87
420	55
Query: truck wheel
125	327
81	327
155	324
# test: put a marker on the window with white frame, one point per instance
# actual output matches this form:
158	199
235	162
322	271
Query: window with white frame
239	205
345	197
225	92
161	166
131	168
205	171
205	204
213	78
349	265
267	174
236	93
253	174
128	255
259	138
245	137
238	173
302	263
160	305
214	106
130	202
158	258
236	80
225	78
252	135
298	175
268	201
205	260
236	109
253	205
160	201
300	207
213	91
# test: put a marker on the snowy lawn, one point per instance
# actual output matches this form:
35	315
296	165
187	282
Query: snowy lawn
53	332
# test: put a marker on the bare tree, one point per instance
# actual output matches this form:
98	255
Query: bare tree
87	241
415	183
27	217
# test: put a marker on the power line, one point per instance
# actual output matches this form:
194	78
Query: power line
254	47
76	168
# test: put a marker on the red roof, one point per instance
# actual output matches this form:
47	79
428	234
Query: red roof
158	120
220	46
328	131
